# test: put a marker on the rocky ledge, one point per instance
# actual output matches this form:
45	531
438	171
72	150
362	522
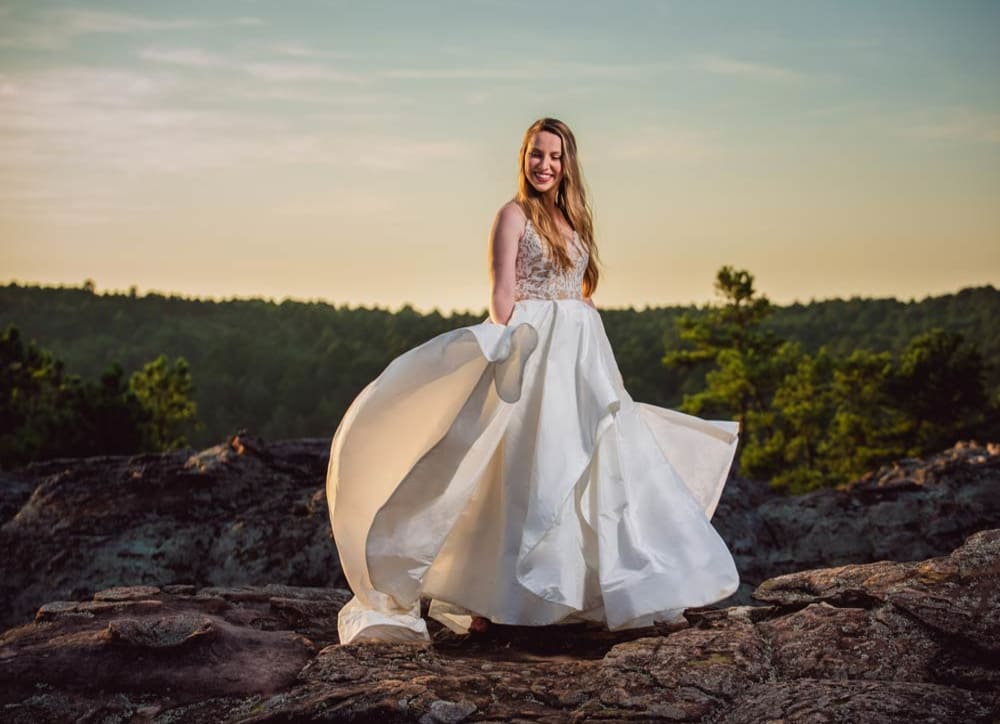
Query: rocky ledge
878	642
248	511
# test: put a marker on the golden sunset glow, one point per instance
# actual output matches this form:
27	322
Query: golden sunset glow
357	152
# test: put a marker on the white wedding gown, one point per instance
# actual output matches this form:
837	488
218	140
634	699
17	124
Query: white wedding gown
504	471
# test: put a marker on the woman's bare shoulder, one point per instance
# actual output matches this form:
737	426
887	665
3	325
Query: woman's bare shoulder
510	220
512	211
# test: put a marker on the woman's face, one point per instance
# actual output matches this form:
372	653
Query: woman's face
543	163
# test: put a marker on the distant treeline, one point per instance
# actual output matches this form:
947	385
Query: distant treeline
290	369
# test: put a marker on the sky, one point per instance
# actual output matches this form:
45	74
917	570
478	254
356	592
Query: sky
357	152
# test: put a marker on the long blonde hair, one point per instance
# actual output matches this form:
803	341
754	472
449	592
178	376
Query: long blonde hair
571	198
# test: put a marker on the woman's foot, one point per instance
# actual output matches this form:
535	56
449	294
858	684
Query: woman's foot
479	624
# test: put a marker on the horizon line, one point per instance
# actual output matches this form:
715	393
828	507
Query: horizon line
455	310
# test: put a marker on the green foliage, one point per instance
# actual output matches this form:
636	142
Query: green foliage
290	369
811	420
735	324
939	385
830	420
163	391
47	413
787	438
747	357
867	427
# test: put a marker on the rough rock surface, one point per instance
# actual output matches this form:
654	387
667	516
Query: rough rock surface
247	511
909	510
238	513
879	642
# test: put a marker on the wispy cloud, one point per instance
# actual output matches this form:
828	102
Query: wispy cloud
123	123
729	66
398	152
55	29
459	73
575	70
336	204
297	50
97	205
953	122
613	71
280	92
116	121
185	56
300	71
80	22
477	97
649	142
280	71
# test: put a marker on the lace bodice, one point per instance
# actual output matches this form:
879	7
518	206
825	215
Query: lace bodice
537	277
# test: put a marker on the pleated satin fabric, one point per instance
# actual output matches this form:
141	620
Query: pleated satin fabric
504	471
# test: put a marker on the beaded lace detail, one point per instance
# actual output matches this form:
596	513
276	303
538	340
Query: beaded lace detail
537	277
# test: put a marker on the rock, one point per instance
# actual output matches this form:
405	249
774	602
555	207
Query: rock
878	642
247	511
133	588
957	595
864	702
238	513
906	511
448	712
182	646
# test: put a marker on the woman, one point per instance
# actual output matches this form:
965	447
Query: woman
503	471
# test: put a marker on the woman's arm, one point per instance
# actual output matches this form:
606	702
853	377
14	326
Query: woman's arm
507	229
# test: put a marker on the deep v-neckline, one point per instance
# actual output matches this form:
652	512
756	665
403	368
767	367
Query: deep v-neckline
574	239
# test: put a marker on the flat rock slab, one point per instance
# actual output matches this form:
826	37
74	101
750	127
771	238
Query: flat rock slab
879	642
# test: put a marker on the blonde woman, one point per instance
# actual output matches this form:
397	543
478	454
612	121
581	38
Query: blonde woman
502	470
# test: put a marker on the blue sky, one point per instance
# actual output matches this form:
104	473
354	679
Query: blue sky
357	152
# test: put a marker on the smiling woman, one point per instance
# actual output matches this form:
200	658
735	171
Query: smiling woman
503	471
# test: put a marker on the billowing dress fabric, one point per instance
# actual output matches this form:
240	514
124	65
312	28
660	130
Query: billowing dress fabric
504	471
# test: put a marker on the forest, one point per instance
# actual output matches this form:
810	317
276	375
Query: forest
822	389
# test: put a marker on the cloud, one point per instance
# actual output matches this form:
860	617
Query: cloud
337	204
80	22
952	122
476	98
296	50
613	71
63	89
283	72
459	73
184	56
281	92
387	152
110	120
55	29
569	70
299	71
60	203
661	143
123	123
729	66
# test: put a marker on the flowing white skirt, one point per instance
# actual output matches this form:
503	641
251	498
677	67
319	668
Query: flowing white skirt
504	471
